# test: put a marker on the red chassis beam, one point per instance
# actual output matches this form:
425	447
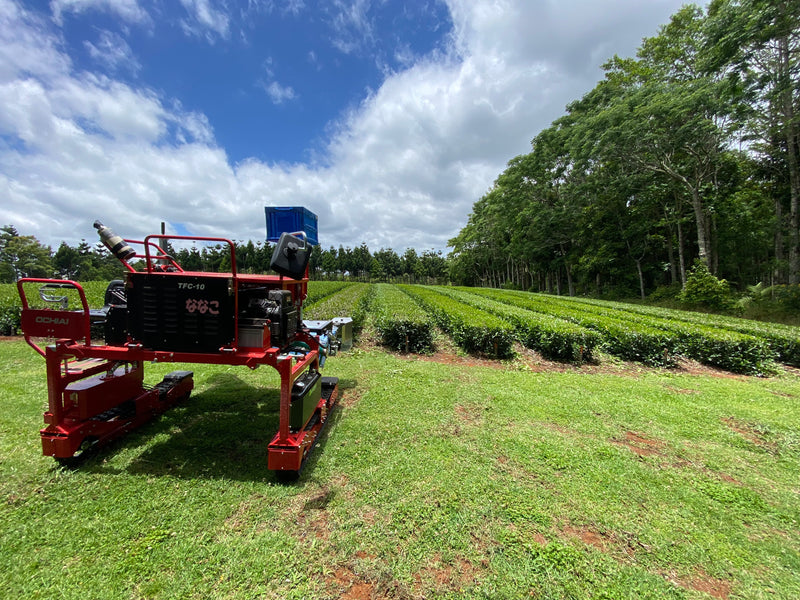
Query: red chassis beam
70	423
87	410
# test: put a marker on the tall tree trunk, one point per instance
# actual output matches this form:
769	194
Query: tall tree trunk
673	268
670	239
570	283
681	255
641	277
714	259
779	256
702	225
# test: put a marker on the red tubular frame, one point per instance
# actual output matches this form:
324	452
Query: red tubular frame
50	323
73	357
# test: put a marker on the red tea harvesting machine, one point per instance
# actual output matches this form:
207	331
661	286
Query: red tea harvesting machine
163	313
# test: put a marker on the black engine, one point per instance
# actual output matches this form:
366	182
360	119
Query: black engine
277	308
193	313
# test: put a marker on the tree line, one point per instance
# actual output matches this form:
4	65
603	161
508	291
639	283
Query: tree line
25	256
687	152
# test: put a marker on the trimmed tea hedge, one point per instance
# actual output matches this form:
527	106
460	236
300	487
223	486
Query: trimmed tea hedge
640	343
784	340
726	349
553	337
317	290
629	335
351	301
472	329
10	309
401	323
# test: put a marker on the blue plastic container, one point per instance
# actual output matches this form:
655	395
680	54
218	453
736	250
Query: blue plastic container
290	219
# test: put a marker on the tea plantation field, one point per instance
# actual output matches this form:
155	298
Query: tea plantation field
450	468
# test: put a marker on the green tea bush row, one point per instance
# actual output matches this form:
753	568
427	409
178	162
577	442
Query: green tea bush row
10	307
729	350
351	301
472	329
10	319
784	340
726	349
553	337
401	323
648	345
317	290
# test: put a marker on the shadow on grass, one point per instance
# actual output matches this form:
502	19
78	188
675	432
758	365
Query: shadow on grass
221	433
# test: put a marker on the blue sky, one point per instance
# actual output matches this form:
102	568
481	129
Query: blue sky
388	119
268	76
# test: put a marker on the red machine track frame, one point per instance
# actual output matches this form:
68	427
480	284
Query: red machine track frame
72	357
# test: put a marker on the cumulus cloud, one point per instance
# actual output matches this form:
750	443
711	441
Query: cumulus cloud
401	169
28	48
279	93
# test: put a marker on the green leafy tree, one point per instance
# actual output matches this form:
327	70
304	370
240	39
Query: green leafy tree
28	257
704	290
410	262
756	43
7	273
67	262
328	261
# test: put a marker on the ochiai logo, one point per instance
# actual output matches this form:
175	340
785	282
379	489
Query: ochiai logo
43	320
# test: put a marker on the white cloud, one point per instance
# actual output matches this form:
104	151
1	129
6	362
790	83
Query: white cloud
101	105
127	10
27	47
402	169
205	20
352	27
279	93
113	52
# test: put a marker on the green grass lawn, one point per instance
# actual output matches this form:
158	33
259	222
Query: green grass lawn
432	481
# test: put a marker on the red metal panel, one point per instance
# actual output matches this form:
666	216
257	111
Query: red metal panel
95	395
54	323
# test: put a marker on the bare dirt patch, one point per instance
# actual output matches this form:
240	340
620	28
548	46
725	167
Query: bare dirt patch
621	546
750	432
702	582
558	428
350	586
364	578
678	390
590	537
350	397
470	415
440	578
692	367
642	445
312	526
451	358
